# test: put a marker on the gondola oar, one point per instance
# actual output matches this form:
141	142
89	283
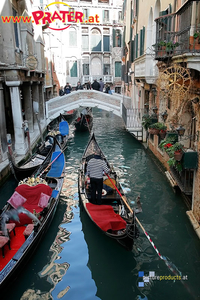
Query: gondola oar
168	263
150	240
51	162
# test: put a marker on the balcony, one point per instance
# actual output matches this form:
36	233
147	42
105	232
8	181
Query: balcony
178	30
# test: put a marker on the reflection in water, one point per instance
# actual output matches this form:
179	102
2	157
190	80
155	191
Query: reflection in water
77	261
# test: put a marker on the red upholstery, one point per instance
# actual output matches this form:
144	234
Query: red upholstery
105	217
32	194
28	230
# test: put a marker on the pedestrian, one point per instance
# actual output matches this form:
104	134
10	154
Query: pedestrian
96	85
101	85
79	86
61	91
107	90
95	168
88	85
67	88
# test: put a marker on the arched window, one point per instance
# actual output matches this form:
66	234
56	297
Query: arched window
95	40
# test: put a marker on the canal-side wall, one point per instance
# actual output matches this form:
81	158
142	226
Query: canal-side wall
194	213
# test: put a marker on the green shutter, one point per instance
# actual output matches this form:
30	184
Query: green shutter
131	19
73	70
136	45
132	50
141	38
118	68
114	34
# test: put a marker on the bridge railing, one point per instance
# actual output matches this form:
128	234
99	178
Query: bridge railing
132	117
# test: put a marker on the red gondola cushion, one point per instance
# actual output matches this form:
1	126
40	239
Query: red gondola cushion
105	217
32	194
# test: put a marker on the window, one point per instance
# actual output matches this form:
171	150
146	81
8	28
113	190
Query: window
86	69
119	16
106	43
106	69
105	15
86	13
73	68
16	29
95	40
73	37
117	38
85	43
118	68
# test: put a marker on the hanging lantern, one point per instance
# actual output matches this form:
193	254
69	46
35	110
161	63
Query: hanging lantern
164	116
155	109
180	130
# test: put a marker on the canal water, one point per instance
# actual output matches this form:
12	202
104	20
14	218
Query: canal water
77	262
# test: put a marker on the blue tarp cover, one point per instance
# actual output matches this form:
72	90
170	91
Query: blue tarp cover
58	165
64	128
54	193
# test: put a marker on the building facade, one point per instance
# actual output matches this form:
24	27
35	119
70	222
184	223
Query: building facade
87	50
22	71
161	72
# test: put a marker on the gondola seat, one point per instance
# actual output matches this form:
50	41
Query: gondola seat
35	200
10	227
105	217
28	230
3	241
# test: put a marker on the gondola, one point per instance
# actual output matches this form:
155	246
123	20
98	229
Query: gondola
42	156
39	196
85	121
61	134
69	115
114	217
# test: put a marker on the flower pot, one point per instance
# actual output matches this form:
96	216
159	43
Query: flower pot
162	134
178	155
154	131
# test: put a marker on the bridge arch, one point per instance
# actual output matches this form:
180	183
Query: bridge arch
83	98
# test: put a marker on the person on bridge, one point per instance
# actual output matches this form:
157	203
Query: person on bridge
67	88
61	91
96	85
101	85
95	168
79	86
88	86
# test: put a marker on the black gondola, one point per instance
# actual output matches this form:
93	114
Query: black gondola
114	216
85	121
42	156
61	134
69	115
42	197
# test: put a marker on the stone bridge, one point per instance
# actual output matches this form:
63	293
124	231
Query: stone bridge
83	98
118	104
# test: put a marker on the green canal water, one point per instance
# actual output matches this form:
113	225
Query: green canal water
77	262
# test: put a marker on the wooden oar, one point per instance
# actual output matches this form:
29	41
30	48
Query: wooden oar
52	162
150	240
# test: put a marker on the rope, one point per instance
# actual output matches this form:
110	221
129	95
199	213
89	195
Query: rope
150	240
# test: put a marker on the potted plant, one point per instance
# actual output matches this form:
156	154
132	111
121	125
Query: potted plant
197	36
155	128
176	151
147	120
163	130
